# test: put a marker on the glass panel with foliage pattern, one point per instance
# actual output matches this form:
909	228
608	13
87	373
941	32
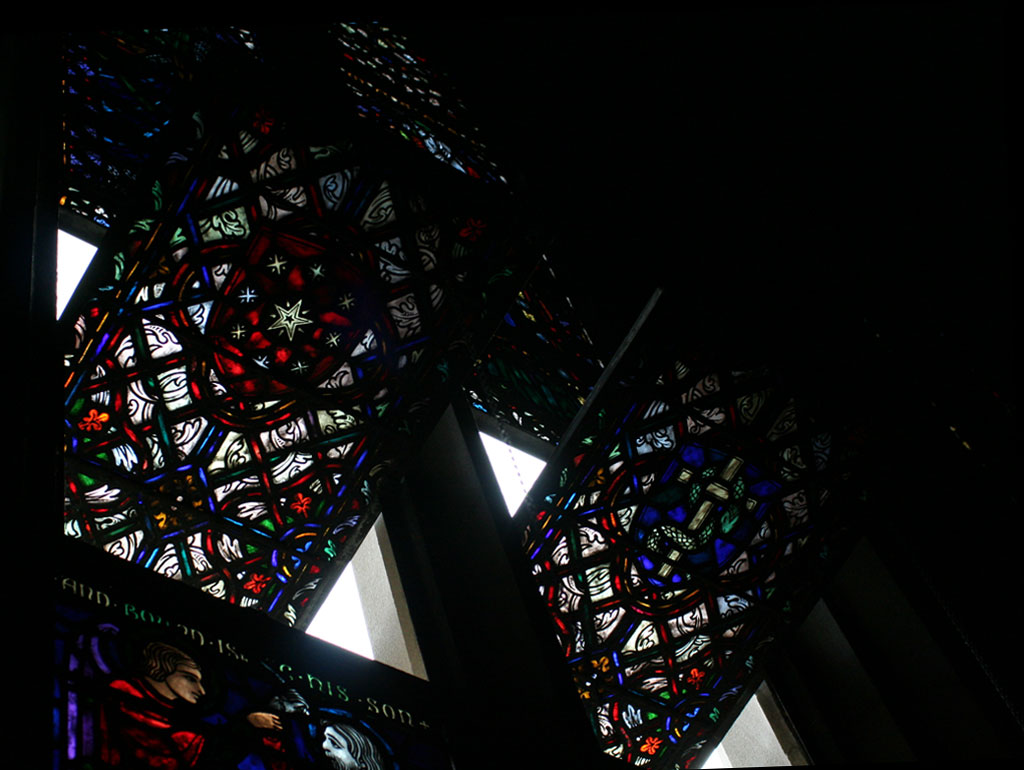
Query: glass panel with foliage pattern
540	366
397	89
676	540
278	330
121	91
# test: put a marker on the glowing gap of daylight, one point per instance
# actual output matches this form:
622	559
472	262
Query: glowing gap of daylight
340	619
73	257
515	470
717	759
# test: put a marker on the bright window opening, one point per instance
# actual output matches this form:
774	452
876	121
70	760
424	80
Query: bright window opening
755	740
717	759
515	470
340	619
366	611
73	257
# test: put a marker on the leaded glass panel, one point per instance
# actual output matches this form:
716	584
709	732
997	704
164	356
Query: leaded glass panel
675	541
267	343
539	367
121	91
396	89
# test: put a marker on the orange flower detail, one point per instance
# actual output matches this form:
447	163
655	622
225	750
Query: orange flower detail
257	583
651	745
94	420
301	504
696	677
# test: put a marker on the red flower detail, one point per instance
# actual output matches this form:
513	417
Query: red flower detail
94	420
696	677
263	121
474	229
257	583
301	504
651	745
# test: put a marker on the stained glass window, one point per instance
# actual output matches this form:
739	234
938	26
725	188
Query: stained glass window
144	677
396	89
674	542
124	88
285	315
278	328
541	364
121	90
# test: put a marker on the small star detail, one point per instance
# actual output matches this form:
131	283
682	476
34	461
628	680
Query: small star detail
333	339
248	295
238	331
289	319
317	271
347	302
262	361
277	265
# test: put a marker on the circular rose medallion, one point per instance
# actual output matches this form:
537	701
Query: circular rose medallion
288	318
710	517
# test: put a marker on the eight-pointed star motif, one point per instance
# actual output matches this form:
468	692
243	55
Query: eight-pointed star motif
289	319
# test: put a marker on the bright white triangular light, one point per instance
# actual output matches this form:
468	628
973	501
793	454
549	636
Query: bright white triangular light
515	470
73	257
340	619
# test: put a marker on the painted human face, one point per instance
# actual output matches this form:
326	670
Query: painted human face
336	746
186	683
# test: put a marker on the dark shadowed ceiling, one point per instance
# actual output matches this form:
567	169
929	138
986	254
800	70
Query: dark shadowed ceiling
822	185
799	169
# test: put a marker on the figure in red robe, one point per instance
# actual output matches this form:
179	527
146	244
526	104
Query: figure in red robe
144	723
